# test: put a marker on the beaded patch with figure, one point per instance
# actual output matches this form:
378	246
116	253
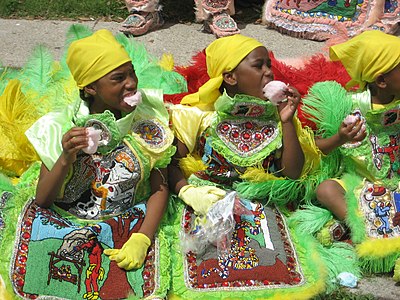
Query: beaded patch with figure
151	132
56	257
260	255
381	208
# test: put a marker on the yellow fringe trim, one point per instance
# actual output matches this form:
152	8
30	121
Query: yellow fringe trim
191	164
4	294
167	62
378	248
258	174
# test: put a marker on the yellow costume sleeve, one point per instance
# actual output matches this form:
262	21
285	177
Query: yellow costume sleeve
188	123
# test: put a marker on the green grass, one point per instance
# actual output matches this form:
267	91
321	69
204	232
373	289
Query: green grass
110	10
343	294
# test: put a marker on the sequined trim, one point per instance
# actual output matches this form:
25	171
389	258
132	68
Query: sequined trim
5	196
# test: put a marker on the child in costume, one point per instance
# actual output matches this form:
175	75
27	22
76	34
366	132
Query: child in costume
228	133
145	16
366	193
91	230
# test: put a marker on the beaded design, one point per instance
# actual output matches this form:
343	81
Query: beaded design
151	132
381	208
62	260
246	137
247	109
102	185
260	255
215	6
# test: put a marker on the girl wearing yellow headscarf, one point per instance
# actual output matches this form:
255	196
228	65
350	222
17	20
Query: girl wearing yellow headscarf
230	137
366	196
90	228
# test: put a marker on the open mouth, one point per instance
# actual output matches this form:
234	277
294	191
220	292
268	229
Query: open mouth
133	99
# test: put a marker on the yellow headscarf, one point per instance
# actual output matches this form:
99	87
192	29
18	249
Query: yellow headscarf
93	57
222	55
367	55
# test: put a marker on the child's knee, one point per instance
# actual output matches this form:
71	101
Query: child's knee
329	190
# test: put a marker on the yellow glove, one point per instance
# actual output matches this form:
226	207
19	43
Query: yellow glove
133	252
201	198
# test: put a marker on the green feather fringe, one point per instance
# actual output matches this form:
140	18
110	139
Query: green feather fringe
378	265
340	257
310	218
353	219
327	103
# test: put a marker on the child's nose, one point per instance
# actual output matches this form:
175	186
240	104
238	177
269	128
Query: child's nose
131	83
268	72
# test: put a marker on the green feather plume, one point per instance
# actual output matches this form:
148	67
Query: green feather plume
150	74
77	32
37	73
309	218
327	104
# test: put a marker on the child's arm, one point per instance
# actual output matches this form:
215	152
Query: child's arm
292	159
134	251
50	182
157	202
200	198
175	176
351	132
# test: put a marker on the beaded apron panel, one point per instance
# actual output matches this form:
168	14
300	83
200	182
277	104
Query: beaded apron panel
260	256
56	258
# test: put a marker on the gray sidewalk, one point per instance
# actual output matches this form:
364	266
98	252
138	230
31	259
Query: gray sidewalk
19	37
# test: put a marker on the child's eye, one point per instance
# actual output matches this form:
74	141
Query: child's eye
118	77
259	66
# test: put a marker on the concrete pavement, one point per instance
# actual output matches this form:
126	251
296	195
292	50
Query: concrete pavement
19	37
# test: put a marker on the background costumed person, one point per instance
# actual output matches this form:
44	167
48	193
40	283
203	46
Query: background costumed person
145	16
229	134
362	128
102	177
332	20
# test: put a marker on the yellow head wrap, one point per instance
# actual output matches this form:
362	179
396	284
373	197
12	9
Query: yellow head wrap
93	57
367	55
222	55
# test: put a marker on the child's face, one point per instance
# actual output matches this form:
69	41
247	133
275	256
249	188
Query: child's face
111	89
392	80
253	73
